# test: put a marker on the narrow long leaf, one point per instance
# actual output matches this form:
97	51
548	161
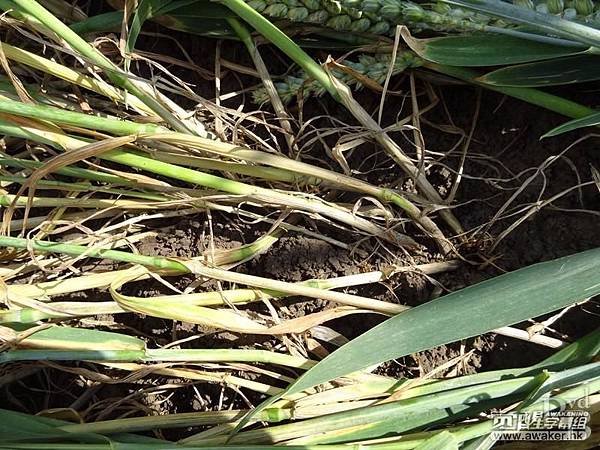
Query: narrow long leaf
429	417
555	72
572	125
401	410
581	351
478	50
469	312
533	96
561	380
110	21
190	10
74	339
145	10
149	9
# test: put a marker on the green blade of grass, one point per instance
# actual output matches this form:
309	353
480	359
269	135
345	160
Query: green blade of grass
560	401
469	312
391	425
211	26
24	431
176	420
144	10
109	21
480	50
147	9
365	421
191	10
371	416
556	381
546	100
18	428
74	339
575	69
579	352
587	121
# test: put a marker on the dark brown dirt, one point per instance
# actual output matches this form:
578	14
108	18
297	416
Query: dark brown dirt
505	143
